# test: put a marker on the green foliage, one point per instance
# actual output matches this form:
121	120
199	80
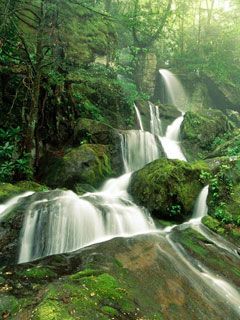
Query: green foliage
174	210
13	164
222	215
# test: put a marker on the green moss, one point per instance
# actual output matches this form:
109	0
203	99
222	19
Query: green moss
37	273
109	311
8	190
199	130
51	310
89	164
9	304
85	295
168	188
84	273
190	240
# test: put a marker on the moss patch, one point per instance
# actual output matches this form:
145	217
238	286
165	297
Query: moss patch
8	190
88	164
168	188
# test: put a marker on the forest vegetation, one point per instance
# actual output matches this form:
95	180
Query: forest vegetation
76	78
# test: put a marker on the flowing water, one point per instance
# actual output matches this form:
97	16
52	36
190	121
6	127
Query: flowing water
138	149
139	119
66	222
6	207
171	143
174	91
61	221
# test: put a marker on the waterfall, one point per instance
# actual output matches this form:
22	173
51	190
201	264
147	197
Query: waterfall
6	207
201	208
177	97
155	120
63	222
138	117
170	142
175	93
138	149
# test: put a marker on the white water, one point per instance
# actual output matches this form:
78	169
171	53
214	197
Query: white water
138	117
155	120
170	142
67	222
138	149
221	287
5	207
175	93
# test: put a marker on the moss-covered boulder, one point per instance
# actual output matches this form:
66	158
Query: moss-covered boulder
88	164
167	188
8	190
95	132
227	145
199	130
223	199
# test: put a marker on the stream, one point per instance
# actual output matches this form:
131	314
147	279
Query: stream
62	222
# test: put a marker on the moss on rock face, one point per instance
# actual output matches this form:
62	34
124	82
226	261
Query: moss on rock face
167	188
87	164
95	132
199	130
223	199
8	190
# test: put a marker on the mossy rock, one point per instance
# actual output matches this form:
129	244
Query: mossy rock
8	190
88	164
223	198
168	188
227	145
199	130
95	132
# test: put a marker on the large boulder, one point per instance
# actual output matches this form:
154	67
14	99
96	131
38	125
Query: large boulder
88	164
199	130
168	188
95	132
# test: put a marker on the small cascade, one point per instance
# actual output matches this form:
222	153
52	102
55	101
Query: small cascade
64	222
155	120
170	142
175	93
138	149
201	208
4	208
138	117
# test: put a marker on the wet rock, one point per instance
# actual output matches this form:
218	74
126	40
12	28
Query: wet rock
125	279
8	190
199	130
88	164
167	188
95	132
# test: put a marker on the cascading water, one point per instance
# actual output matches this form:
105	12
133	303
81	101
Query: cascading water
138	149
177	97
138	117
4	208
170	142
175	93
155	120
66	222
